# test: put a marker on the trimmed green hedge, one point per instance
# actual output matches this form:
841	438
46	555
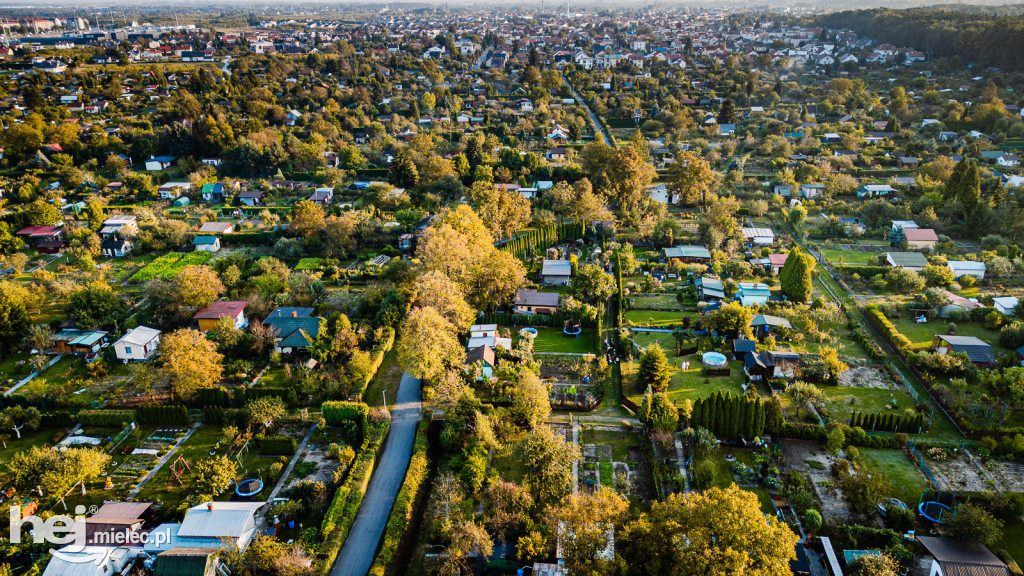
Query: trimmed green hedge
854	436
287	395
887	328
337	412
277	445
163	415
106	417
865	272
212	397
413	489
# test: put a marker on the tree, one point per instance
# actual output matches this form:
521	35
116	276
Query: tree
874	565
653	370
508	507
691	179
403	172
530	402
719	532
435	290
658	413
191	362
495	280
56	472
727	112
803	393
796	276
95	305
577	201
973	523
797	214
592	284
548	460
864	490
41	213
465	538
214	475
18	417
264	411
585	527
178	299
732	318
307	218
503	210
835	440
14	321
1007	387
427	344
897	238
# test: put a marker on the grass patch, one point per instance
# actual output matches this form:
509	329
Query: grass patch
843	401
554	340
606	474
691	384
655	318
922	335
619	441
56	375
195	449
29	438
1013	540
386	380
906	479
850	257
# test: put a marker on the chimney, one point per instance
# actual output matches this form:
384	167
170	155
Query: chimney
295	313
209	506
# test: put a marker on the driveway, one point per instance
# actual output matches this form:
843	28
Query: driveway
360	547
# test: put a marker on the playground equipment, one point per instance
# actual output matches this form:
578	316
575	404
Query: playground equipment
250	487
572	328
937	506
178	468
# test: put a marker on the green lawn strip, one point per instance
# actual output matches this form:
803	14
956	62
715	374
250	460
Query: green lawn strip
922	335
508	465
1013	540
764	497
195	449
906	479
619	441
687	384
850	256
387	378
606	473
843	401
28	439
554	340
659	302
56	375
655	318
274	377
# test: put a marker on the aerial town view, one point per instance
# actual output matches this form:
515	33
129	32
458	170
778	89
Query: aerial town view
521	289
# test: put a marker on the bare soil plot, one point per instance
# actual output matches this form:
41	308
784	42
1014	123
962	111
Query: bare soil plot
956	473
798	453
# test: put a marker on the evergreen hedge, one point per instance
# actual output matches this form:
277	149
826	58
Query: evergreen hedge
106	417
728	416
163	415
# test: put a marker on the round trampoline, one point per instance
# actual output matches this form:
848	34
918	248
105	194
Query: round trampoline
934	511
530	333
572	328
714	359
250	487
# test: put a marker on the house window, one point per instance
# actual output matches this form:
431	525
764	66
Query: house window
127	349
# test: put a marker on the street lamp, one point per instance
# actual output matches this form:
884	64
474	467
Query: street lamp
384	395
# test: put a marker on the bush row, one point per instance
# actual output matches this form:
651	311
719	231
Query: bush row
61	419
288	395
865	272
888	422
212	397
277	445
106	417
887	328
337	412
163	415
854	436
413	489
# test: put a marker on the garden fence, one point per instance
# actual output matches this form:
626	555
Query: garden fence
906	383
921	463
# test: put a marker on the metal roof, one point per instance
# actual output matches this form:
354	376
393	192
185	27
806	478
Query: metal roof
556	268
907	259
140	335
227	519
688	252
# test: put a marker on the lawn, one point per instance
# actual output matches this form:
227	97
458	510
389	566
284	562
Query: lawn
655	318
387	378
554	340
905	478
850	257
57	375
689	384
619	441
659	302
29	438
1013	540
843	401
922	335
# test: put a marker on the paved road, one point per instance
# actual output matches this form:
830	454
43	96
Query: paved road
360	547
480	61
593	117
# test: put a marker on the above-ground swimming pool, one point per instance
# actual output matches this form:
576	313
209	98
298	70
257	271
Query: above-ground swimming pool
715	359
528	333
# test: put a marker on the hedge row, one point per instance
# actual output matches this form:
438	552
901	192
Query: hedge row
729	416
61	419
865	272
288	395
337	412
106	417
887	328
277	445
377	356
888	422
413	489
854	436
163	415
249	238
342	512
213	415
212	397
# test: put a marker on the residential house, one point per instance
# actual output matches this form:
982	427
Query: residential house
294	328
212	192
251	197
784	190
484	357
759	236
978	351
322	196
1005	304
770	364
751	293
124	225
556	272
689	254
763	324
78	560
206	243
921	238
139	343
219	525
777	261
115	247
872	190
486	334
157	163
660	194
951	557
913	261
48	239
214	227
171	190
967	268
209	317
534	302
710	289
905	224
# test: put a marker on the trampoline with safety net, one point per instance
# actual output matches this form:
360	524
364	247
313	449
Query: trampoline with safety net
937	506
